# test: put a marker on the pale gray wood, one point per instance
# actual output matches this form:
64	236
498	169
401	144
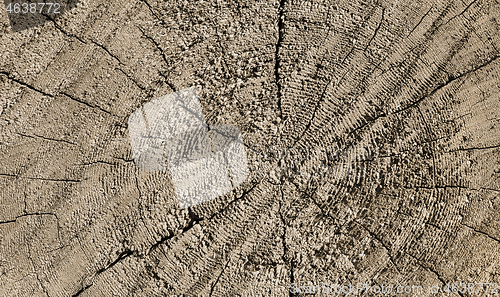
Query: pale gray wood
404	97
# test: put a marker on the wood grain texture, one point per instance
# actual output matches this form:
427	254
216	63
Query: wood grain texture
408	92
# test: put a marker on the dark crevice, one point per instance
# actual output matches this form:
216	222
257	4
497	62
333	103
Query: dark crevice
218	278
475	148
30	257
53	139
415	103
449	81
161	241
236	199
194	219
46	138
375	236
107	51
131	79
481	232
43	179
37	214
124	160
27	215
85	103
419	22
490	189
57	26
281	29
326	214
9	76
162	53
126	253
463	11
432	270
376	30
82	290
285	255
100	162
100	46
152	11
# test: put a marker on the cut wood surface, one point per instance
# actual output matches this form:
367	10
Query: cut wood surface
373	141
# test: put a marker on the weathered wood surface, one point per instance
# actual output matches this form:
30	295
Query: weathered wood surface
415	83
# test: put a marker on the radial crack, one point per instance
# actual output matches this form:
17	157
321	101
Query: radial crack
9	76
481	232
283	239
86	104
126	253
81	290
376	30
373	235
43	179
218	278
281	29
419	22
46	138
57	26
